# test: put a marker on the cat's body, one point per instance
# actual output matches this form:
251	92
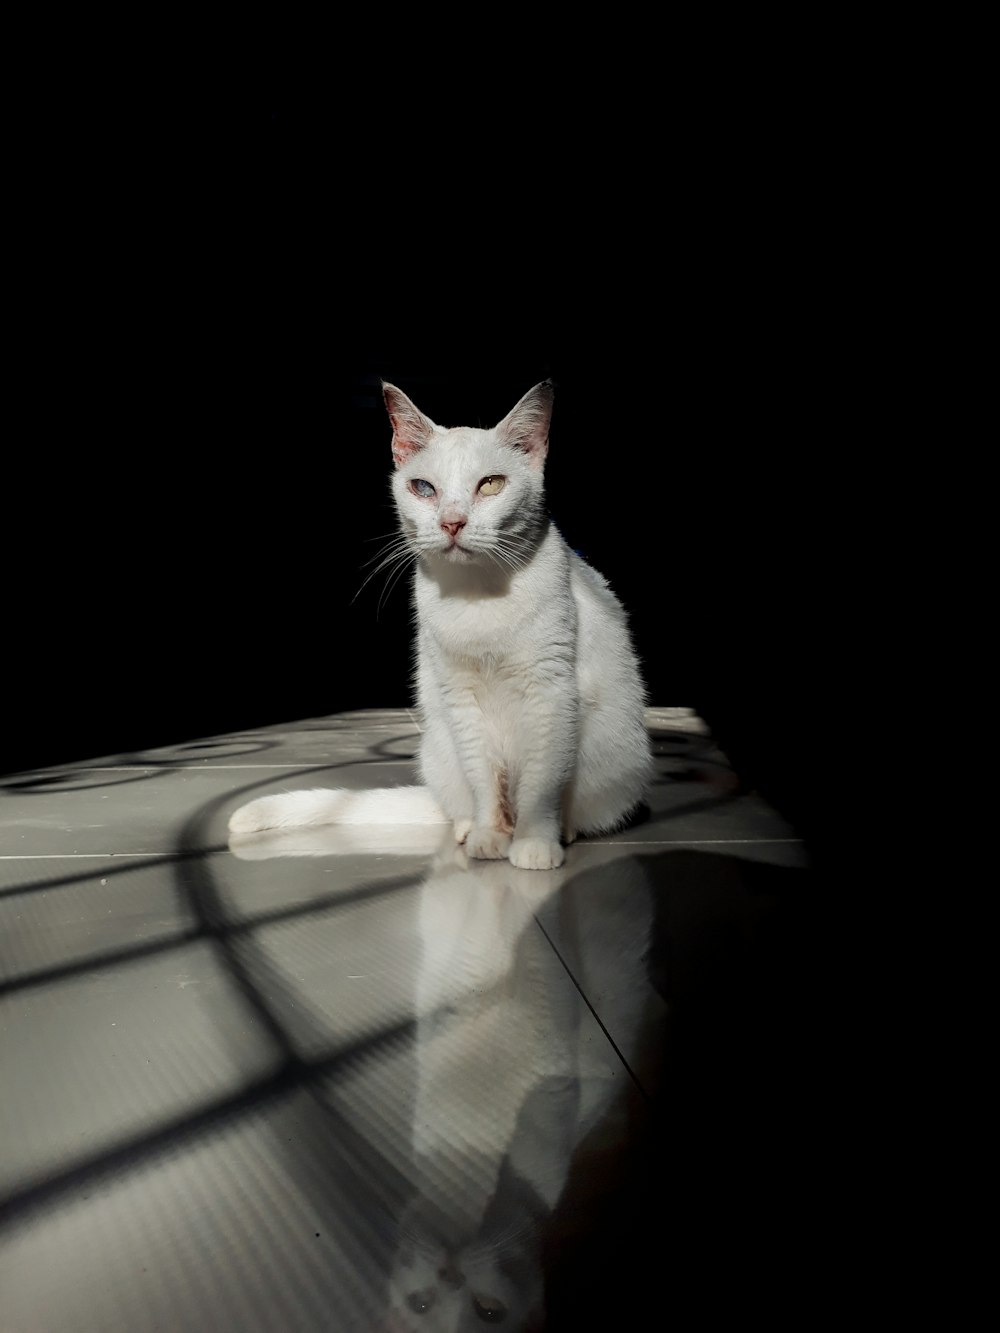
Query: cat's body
528	687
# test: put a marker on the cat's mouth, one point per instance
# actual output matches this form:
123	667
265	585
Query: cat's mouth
456	551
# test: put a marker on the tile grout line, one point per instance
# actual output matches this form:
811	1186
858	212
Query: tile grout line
209	767
682	842
78	856
665	842
597	1018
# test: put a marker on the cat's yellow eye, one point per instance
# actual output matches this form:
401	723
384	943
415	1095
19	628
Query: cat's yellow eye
492	485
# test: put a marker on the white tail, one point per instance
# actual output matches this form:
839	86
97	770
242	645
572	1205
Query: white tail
306	809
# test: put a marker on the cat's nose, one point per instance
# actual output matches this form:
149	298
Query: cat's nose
453	529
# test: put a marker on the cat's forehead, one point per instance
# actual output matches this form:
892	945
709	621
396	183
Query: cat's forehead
462	445
464	437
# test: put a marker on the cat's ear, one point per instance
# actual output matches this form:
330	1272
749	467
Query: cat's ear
411	430
526	427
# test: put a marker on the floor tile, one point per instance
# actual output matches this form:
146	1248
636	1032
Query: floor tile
348	1079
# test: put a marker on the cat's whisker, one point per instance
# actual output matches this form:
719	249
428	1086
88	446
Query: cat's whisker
386	590
390	555
398	544
508	553
395	533
392	580
387	561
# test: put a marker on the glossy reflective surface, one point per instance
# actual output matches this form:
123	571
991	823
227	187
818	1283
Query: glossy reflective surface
321	1081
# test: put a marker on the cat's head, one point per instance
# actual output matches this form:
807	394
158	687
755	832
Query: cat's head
445	1283
438	1293
467	495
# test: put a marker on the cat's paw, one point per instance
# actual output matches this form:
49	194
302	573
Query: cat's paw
487	844
463	827
536	854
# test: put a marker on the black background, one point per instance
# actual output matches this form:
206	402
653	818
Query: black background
204	473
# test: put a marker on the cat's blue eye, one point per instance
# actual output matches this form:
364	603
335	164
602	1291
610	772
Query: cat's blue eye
420	487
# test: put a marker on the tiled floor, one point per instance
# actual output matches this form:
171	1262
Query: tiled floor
320	1083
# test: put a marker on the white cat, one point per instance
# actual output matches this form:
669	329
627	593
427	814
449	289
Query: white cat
528	686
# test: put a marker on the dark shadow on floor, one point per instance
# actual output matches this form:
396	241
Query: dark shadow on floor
721	1204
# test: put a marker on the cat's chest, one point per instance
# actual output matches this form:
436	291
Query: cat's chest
495	629
468	628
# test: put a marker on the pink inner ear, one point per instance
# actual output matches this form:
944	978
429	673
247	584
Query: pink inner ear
410	428
403	446
531	437
526	427
534	442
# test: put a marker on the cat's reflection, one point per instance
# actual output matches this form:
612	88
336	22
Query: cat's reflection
511	1070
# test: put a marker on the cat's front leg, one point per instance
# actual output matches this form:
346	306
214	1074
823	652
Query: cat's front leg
490	834
460	766
548	746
